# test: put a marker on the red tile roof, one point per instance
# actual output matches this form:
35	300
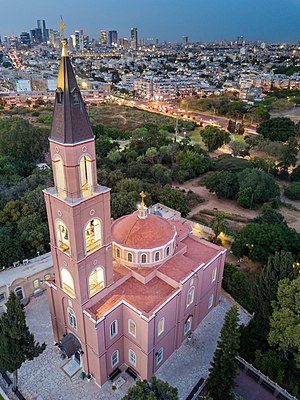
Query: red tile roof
144	297
136	233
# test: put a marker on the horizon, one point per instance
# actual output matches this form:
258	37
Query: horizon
254	20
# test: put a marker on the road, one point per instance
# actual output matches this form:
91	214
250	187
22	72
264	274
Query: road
168	109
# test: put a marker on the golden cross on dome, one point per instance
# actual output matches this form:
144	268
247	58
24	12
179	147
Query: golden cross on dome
142	194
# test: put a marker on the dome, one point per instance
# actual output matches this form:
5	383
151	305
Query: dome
137	233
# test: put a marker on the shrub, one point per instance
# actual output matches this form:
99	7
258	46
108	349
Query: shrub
293	191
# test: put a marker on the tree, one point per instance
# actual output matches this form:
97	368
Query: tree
239	149
21	140
154	389
174	198
256	187
17	344
279	266
258	241
226	162
277	129
231	126
293	191
239	285
253	140
285	319
223	183
214	138
218	224
288	154
223	371
295	175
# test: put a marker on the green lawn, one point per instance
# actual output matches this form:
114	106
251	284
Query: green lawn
196	137
238	138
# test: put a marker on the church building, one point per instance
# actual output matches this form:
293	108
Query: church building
126	293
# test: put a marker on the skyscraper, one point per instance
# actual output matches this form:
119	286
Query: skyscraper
185	40
41	24
112	38
25	39
134	38
103	38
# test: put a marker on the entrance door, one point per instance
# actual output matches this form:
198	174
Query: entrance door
77	357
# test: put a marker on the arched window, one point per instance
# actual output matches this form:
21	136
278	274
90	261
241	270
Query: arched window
59	174
188	324
114	358
93	235
62	237
132	327
132	357
67	282
113	329
168	251
156	257
86	174
143	259
47	277
161	326
72	318
129	257
118	253
96	281
190	296
19	293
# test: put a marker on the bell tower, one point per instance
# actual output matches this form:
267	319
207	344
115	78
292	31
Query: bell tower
78	208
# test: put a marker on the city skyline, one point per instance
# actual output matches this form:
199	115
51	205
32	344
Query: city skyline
198	20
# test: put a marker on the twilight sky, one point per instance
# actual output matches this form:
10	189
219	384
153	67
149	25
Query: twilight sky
269	20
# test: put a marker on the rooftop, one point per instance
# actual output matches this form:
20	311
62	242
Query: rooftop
24	271
136	233
145	298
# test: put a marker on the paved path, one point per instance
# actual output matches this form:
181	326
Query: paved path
249	389
192	360
43	378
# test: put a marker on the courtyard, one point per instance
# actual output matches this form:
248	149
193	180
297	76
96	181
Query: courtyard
44	379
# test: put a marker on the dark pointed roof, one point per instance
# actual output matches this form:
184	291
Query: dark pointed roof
70	120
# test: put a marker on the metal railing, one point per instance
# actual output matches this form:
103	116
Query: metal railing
263	378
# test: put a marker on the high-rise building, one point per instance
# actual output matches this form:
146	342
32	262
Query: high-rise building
78	40
41	24
134	38
25	39
185	40
112	38
123	42
36	36
54	37
103	38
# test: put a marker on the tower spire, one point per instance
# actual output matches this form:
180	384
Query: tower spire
70	120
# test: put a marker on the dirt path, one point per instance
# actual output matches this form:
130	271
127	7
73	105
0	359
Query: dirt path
213	202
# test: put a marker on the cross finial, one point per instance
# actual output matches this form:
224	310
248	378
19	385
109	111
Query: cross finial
142	194
62	26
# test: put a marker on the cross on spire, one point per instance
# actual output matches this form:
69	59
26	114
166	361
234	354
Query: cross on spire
62	26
